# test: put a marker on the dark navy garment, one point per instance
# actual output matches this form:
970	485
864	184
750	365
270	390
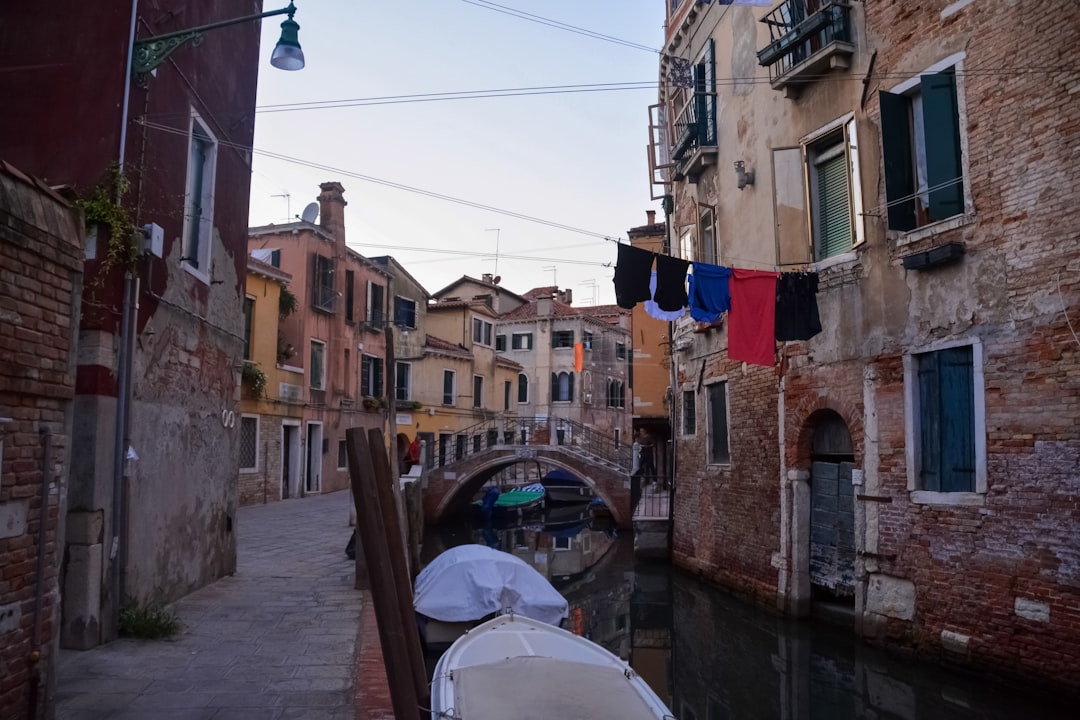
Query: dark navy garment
796	306
710	293
633	271
670	292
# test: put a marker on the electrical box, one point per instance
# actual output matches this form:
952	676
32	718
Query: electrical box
154	239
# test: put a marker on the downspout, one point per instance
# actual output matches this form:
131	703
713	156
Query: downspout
673	452
120	439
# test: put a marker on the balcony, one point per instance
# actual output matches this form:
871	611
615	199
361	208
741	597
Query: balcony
694	133
323	297
808	38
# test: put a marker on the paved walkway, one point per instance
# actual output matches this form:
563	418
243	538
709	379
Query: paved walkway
283	639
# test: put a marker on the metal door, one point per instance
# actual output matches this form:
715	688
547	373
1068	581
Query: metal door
832	529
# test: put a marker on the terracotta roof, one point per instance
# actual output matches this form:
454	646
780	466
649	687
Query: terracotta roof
546	291
507	362
444	347
467	278
267	270
528	311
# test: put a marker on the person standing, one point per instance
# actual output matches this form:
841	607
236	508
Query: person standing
648	462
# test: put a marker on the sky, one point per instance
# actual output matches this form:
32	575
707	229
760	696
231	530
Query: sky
576	160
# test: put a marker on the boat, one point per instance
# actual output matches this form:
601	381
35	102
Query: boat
516	667
514	504
468	584
562	486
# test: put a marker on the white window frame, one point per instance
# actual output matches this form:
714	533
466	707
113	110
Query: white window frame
912	428
245	470
526	340
710	250
200	268
311	370
846	125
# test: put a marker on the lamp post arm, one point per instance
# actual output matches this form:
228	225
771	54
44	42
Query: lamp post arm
151	52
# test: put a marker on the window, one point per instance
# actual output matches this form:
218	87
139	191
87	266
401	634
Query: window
618	437
249	443
562	387
500	343
689	408
707	239
199	197
523	388
829	176
478	391
586	340
350	295
342	456
449	387
371	375
322	289
403	381
317	368
562	339
686	244
481	332
521	341
947	446
719	453
507	385
375	301
404	312
347	385
249	316
921	144
616	394
620	351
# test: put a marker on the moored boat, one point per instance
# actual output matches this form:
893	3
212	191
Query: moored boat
562	486
516	667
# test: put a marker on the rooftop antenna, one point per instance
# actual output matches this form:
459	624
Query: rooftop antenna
553	276
497	233
590	283
288	205
310	213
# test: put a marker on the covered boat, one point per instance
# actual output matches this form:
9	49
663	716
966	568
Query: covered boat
504	507
516	667
563	486
470	583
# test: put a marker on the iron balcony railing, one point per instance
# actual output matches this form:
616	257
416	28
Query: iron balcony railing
691	132
530	431
324	297
799	29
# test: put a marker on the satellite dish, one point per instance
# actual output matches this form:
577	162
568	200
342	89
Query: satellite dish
310	213
496	280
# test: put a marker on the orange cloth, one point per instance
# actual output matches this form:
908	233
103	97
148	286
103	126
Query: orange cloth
579	356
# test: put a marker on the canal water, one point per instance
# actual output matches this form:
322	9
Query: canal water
714	657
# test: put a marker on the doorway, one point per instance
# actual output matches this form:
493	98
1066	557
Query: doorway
832	513
313	466
290	460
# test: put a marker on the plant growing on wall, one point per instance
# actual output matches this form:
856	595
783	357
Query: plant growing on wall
103	206
408	405
253	377
287	303
373	403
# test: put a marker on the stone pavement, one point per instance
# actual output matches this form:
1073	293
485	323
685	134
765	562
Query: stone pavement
283	639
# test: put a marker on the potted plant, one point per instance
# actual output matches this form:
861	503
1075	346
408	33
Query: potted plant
253	377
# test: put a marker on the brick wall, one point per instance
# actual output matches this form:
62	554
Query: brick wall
40	279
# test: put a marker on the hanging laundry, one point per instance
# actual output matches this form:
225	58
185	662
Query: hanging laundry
579	356
632	276
653	310
670	292
751	322
797	315
709	293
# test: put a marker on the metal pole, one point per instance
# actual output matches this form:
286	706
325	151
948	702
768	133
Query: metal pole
34	660
120	439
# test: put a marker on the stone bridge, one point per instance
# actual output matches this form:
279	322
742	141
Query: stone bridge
450	487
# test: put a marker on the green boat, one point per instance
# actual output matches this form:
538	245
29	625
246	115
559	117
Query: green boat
511	504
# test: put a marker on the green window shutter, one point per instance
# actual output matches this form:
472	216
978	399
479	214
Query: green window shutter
570	386
554	386
834	207
941	119
896	147
957	420
929	422
377	391
707	118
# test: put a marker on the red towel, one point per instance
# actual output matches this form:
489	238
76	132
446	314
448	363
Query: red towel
752	320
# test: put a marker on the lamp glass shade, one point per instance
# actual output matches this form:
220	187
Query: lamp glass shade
287	54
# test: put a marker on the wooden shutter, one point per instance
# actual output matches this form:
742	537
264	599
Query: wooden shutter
941	119
929	422
833	206
957	420
554	386
707	118
377	383
570	387
897	149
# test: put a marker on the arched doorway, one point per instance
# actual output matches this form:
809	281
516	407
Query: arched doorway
832	512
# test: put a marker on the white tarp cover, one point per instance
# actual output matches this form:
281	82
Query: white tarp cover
469	582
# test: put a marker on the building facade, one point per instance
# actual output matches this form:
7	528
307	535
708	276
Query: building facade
917	459
161	322
334	343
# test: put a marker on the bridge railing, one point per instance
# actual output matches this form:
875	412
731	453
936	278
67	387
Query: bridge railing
529	431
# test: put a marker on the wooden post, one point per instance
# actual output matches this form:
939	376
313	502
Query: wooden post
388	509
373	533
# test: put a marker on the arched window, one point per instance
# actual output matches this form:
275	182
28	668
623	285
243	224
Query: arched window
523	388
562	387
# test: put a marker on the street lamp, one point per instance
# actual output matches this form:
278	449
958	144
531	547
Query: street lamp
151	52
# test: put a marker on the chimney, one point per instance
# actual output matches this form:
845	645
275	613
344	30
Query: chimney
651	215
332	210
566	296
543	307
486	277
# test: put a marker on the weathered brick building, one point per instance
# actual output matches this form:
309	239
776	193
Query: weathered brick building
41	246
918	460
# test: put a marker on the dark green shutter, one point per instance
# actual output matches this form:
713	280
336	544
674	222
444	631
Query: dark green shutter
897	149
249	312
570	386
707	118
929	422
377	390
554	386
941	119
957	420
834	207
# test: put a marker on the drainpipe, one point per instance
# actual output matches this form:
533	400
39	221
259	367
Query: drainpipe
673	451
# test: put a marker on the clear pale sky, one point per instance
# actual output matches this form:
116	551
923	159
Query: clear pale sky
574	159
